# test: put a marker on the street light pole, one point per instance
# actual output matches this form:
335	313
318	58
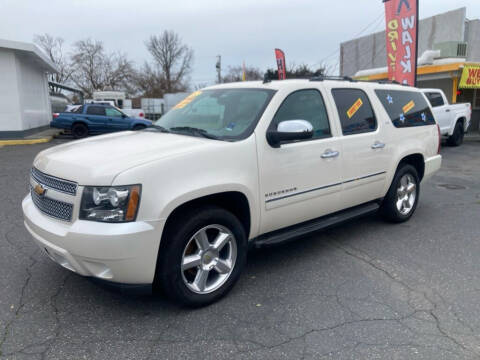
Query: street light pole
219	68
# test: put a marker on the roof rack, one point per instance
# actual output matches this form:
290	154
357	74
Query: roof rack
325	77
267	79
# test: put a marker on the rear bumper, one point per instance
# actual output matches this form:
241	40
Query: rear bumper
123	253
432	165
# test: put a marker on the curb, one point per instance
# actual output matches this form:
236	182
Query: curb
25	141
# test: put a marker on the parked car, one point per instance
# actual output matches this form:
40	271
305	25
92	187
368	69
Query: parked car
96	119
136	113
231	166
453	120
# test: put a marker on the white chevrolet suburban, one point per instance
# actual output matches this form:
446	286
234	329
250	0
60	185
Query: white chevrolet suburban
453	119
232	165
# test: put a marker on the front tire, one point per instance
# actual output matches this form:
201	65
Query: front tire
202	255
458	134
402	198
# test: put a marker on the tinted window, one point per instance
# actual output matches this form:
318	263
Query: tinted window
406	108
435	99
113	112
355	111
305	105
96	110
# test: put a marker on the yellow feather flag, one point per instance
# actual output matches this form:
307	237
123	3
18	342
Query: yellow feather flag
244	74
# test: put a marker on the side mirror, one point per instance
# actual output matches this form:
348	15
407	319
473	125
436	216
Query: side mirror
290	130
124	116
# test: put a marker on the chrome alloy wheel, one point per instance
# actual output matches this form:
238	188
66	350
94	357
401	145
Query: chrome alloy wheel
208	259
406	194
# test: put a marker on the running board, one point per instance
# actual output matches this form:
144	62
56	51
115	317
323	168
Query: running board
296	231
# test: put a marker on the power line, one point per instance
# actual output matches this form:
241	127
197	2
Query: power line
375	22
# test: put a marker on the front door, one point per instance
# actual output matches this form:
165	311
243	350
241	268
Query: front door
115	120
300	180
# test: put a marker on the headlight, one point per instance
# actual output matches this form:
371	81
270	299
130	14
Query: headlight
110	204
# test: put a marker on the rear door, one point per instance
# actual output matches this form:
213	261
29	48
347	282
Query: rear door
366	155
441	110
95	116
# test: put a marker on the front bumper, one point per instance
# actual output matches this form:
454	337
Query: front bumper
432	165
120	253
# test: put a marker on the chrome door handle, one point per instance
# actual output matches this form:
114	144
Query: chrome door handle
378	145
448	110
328	154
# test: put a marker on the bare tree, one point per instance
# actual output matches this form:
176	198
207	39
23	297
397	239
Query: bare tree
150	81
235	73
302	71
173	58
96	70
53	48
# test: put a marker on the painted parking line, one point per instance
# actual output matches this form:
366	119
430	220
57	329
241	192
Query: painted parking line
25	141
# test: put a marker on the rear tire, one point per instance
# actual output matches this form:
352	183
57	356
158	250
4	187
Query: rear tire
402	198
139	127
458	134
202	254
79	130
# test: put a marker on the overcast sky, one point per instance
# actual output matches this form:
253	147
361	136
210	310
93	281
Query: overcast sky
307	30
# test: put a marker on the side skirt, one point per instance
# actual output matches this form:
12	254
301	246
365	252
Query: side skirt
293	232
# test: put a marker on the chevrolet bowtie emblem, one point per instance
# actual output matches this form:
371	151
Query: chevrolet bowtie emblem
40	190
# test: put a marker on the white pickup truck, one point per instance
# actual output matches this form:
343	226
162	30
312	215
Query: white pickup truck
453	120
251	163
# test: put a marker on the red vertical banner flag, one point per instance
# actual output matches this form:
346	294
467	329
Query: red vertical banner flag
280	56
402	40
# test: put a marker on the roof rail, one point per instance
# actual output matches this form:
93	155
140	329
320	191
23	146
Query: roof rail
326	77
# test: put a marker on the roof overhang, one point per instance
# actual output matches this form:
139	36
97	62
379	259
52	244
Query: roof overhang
434	71
30	51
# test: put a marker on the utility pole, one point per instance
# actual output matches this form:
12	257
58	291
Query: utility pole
218	65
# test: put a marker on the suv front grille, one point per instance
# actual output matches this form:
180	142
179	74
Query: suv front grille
65	186
54	208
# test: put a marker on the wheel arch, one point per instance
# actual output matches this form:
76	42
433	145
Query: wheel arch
462	120
234	201
416	160
82	122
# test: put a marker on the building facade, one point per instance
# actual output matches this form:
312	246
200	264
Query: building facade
24	94
453	42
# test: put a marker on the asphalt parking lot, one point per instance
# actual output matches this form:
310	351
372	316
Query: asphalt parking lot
365	290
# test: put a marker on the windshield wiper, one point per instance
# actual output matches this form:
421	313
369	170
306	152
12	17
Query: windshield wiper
159	128
194	131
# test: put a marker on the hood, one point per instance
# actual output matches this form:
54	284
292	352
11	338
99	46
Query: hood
97	160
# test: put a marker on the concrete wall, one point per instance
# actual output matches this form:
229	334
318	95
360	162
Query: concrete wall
370	51
10	114
24	94
33	94
473	40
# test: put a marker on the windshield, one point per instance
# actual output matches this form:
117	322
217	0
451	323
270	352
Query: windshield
226	114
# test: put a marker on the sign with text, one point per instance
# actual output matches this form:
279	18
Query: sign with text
280	56
402	32
470	77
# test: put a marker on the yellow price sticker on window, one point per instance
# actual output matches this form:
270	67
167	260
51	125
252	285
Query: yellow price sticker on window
408	107
355	107
187	100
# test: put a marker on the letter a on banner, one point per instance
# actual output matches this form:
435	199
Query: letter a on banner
402	40
280	56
